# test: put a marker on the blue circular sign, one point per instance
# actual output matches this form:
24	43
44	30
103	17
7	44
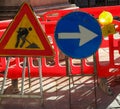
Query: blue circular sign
78	35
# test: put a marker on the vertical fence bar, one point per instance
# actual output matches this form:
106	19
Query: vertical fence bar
23	76
40	76
29	78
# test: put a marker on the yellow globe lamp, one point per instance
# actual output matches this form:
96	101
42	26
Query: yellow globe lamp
105	18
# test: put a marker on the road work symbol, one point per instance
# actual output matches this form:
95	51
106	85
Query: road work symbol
25	36
22	34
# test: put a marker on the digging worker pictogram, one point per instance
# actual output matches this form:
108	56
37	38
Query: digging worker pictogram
22	34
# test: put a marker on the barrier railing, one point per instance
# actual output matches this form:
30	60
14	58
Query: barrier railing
111	45
104	70
55	15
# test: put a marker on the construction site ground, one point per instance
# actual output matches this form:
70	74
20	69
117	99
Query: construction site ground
59	95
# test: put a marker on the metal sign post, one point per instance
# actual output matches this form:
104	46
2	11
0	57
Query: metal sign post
5	76
24	37
95	79
40	76
68	71
78	35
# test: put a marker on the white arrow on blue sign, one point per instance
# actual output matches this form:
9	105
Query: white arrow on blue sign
78	35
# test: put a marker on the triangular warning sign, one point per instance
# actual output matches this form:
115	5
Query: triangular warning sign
25	36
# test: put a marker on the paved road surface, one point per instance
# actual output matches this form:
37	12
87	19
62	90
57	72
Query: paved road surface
57	96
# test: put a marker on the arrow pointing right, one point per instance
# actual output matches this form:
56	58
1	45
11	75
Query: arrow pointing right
85	35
